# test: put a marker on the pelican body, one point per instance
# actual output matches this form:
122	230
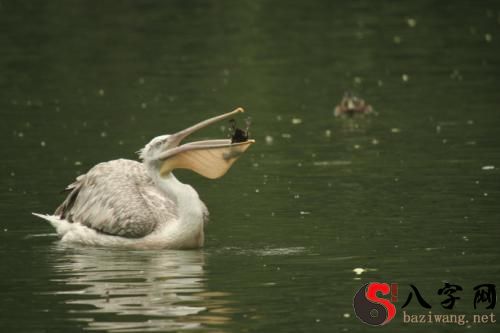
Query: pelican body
135	204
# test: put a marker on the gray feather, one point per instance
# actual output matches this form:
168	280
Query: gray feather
117	198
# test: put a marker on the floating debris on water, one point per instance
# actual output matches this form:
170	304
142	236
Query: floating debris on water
488	167
144	105
465	238
141	80
380	83
470	122
328	133
395	130
405	77
78	163
488	37
359	271
296	121
456	75
328	163
375	142
101	92
357	146
304	213
104	134
396	39
42	143
485	194
411	22
286	135
346	315
269	139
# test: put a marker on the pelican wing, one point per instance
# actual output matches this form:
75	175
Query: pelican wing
117	198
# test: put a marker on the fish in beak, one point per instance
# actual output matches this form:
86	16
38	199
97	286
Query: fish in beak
209	158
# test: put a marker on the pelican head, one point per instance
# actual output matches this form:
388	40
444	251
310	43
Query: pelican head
209	158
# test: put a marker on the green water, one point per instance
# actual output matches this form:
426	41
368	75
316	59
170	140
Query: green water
410	195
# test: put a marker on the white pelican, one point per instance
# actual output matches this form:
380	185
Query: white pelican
142	205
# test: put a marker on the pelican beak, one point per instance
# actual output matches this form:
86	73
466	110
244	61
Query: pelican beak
209	158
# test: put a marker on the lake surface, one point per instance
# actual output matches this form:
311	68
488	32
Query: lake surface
317	208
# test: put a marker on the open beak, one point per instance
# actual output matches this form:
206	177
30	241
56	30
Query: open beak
209	158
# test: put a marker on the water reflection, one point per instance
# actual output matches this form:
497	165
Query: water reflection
127	291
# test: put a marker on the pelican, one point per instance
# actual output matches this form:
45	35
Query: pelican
127	203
